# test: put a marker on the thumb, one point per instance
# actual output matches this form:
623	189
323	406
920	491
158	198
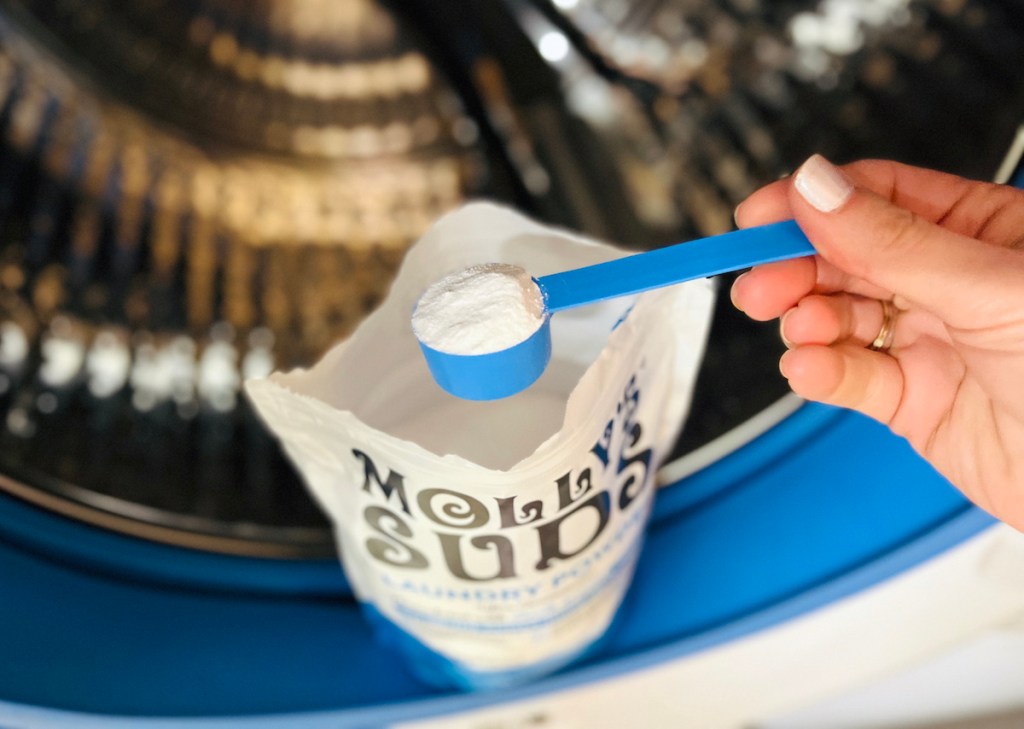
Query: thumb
868	237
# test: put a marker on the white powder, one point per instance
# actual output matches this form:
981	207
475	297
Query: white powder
478	310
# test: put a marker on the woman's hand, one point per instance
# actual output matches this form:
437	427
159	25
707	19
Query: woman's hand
948	253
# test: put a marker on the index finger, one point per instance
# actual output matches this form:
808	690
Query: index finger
768	291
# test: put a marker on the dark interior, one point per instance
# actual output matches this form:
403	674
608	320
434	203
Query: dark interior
191	191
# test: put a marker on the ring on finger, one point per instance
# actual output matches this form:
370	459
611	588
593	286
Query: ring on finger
887	332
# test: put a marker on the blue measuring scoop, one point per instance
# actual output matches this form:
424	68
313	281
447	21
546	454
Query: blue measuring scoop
501	374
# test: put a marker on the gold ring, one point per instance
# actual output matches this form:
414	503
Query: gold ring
883	341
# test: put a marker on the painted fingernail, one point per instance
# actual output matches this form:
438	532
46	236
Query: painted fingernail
782	329
732	290
822	184
783	365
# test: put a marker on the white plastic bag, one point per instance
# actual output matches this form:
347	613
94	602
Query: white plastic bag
493	542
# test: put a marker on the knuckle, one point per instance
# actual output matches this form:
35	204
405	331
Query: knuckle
903	233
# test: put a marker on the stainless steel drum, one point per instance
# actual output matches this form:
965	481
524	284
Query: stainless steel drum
195	192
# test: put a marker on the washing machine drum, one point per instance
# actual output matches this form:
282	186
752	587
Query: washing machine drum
192	194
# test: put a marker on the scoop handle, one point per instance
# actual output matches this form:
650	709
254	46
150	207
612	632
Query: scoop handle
674	264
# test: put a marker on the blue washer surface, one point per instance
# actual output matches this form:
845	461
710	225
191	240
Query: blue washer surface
784	525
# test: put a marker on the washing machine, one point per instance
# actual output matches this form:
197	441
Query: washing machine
160	563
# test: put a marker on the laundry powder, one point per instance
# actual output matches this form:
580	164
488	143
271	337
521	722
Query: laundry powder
492	542
478	310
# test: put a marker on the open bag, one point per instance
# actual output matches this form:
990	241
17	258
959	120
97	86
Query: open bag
492	543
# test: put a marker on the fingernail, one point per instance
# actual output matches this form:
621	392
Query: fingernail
732	290
822	184
782	364
782	329
736	215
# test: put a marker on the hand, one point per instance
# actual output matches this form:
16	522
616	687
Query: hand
947	252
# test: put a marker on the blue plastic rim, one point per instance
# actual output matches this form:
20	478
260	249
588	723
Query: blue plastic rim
494	375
